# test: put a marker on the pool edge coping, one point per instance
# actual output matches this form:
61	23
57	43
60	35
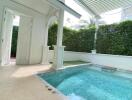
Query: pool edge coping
45	83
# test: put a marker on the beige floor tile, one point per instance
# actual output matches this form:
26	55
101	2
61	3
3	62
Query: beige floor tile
20	83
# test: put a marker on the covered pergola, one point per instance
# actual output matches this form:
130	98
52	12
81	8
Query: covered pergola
32	47
42	15
98	7
95	8
20	82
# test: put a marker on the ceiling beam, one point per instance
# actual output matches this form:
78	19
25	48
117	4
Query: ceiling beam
88	8
62	5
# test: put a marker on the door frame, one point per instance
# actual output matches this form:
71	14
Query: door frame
2	33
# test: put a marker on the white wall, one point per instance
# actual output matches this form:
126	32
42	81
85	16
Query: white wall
123	62
1	22
68	56
24	38
7	36
37	39
38	27
72	56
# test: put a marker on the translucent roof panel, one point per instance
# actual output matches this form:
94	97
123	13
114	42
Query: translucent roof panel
97	7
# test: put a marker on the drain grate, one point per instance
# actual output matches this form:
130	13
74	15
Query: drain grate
50	89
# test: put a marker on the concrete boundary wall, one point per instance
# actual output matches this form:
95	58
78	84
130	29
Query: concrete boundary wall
118	61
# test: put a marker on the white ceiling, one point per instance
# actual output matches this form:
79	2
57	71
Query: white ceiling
39	5
97	7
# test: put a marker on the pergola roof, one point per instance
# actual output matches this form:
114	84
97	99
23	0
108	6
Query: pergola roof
97	7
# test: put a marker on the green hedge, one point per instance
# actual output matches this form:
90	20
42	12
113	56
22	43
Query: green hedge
115	39
14	41
111	39
80	41
52	36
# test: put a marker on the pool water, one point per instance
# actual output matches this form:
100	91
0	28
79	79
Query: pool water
90	84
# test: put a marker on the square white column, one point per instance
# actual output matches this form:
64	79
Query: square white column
59	49
95	36
45	56
58	57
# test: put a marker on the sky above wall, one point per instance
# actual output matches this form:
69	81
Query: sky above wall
71	20
16	21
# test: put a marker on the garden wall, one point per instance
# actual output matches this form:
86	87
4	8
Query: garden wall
118	61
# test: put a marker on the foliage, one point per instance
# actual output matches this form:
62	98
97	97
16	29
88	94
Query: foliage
115	39
80	41
85	40
52	36
111	39
14	41
126	29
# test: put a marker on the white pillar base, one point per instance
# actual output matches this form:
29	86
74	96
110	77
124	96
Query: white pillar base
58	57
45	57
93	51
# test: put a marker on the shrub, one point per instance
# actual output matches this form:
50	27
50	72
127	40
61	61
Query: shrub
80	41
111	39
115	39
14	41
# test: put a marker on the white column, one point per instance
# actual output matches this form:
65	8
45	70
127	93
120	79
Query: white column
1	23
123	14
59	49
95	36
6	37
45	57
24	40
60	28
58	57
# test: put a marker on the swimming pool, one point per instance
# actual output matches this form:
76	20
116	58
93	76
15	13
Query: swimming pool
90	83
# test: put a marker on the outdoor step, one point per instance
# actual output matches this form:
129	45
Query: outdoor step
109	69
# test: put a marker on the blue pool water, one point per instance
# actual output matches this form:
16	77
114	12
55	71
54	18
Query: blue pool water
90	84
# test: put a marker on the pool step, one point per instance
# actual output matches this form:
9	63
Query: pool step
109	69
